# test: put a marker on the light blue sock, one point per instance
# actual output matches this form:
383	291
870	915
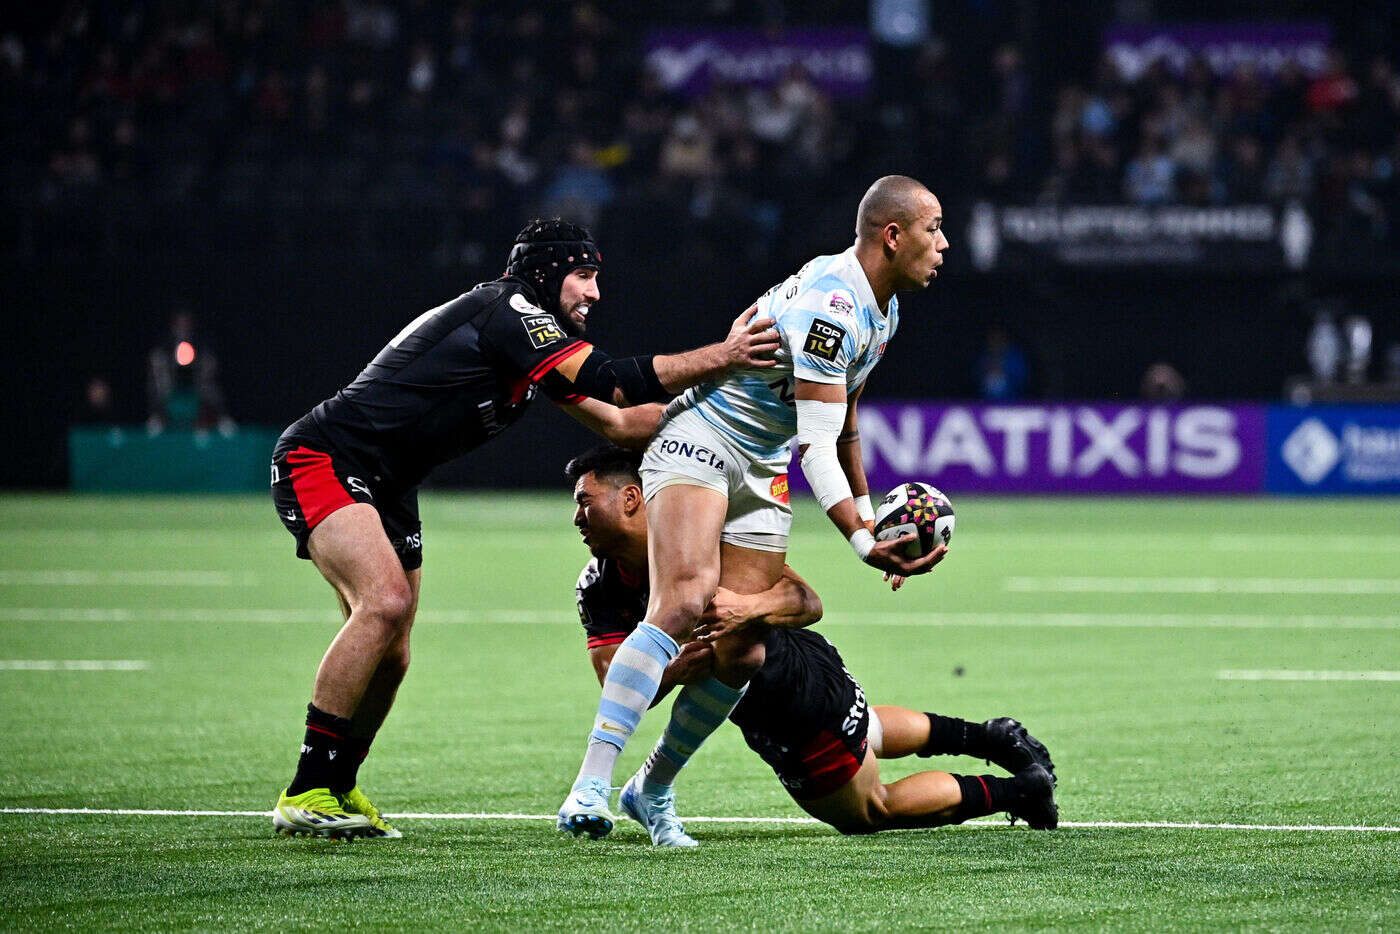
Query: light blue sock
628	690
697	712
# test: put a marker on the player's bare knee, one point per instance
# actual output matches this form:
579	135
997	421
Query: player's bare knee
681	609
391	605
867	816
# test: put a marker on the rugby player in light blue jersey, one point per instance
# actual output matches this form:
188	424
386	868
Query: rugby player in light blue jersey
715	482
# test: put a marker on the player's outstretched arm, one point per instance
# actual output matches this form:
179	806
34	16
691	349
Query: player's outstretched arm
751	343
791	603
821	417
631	427
629	381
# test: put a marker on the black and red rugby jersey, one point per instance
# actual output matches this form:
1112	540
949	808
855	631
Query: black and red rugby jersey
455	377
610	602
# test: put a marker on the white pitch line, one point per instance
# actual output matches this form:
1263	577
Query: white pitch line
970	825
329	616
99	578
73	664
1288	674
1249	585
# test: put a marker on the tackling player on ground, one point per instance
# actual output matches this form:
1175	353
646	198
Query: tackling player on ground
715	479
803	712
345	476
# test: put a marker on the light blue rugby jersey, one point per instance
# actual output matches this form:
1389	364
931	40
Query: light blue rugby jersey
831	331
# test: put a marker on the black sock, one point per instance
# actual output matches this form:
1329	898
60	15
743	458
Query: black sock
949	736
982	795
325	752
349	775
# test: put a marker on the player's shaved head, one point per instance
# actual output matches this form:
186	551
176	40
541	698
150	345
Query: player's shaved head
894	199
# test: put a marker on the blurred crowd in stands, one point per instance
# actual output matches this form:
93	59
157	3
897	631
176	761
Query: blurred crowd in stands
465	118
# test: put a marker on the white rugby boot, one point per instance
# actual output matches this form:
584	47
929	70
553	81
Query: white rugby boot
585	810
655	812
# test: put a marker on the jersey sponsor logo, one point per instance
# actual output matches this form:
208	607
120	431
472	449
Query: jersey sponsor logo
522	304
824	340
685	449
779	488
543	330
841	302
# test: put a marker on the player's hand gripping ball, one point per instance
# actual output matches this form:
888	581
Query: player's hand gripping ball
918	508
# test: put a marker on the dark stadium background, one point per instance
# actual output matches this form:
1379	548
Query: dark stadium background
271	168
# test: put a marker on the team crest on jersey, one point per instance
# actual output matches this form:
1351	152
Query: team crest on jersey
522	304
543	329
841	302
824	339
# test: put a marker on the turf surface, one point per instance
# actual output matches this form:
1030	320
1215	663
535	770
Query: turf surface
1103	624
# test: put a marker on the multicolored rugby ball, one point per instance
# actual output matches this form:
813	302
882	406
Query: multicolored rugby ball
918	508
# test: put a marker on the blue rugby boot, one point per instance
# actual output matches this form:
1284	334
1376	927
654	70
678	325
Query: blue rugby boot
655	812
585	810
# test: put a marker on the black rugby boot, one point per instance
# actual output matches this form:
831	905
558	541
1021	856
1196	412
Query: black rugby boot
1035	798
1007	744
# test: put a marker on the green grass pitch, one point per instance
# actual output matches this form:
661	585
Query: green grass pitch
1103	624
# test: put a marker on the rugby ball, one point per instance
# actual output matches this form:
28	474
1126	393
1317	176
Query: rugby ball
918	508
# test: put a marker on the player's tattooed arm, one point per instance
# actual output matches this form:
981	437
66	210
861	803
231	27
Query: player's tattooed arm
631	427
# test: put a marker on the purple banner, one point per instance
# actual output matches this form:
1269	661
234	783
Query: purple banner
687	61
1063	448
1223	46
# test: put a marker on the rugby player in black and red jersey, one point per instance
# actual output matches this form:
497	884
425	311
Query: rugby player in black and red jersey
803	712
345	476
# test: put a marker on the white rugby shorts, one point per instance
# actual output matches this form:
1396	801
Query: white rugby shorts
689	450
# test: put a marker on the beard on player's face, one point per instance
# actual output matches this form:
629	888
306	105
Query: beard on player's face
573	323
578	293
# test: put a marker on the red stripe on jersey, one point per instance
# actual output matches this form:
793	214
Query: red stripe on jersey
315	485
572	398
810	756
829	767
611	638
555	359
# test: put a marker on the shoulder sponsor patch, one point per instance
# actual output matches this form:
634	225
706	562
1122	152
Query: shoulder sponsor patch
522	304
841	302
824	339
543	329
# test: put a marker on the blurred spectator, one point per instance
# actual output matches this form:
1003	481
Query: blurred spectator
1148	179
1290	175
1002	373
76	163
462	111
1161	382
96	407
182	388
1324	348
